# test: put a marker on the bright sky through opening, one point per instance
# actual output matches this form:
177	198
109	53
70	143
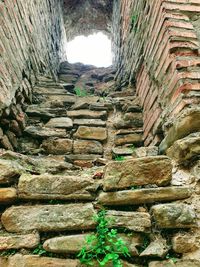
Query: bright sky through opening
93	50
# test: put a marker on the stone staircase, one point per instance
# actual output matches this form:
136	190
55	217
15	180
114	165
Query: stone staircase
78	155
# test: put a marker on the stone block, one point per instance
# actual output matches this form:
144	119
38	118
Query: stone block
134	138
87	114
87	147
47	218
10	170
61	122
142	171
48	186
146	195
89	122
57	146
8	195
91	133
15	241
174	216
44	132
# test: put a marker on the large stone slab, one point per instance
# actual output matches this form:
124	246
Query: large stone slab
87	114
37	131
140	196
134	221
14	241
91	133
90	122
61	122
9	171
73	244
87	147
185	149
19	260
43	111
8	195
177	263
142	171
57	146
174	216
56	187
46	218
134	138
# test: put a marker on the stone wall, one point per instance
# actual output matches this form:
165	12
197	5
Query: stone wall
32	42
157	47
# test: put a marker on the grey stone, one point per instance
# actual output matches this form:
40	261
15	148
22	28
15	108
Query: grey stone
87	147
91	133
87	114
89	122
61	122
37	131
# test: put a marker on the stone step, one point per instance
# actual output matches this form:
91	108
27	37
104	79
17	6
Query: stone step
89	122
137	172
175	215
61	122
57	146
146	195
72	158
46	218
43	132
49	90
133	138
64	187
69	217
91	133
45	112
15	241
87	114
87	147
122	150
8	195
73	244
19	260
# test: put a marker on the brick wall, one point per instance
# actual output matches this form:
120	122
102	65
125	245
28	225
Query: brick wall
31	42
159	49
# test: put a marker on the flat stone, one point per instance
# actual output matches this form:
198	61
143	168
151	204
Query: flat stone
14	241
46	218
134	221
134	138
19	260
85	157
8	195
157	248
84	102
188	122
89	122
129	120
61	122
142	171
145	151
87	146
178	263
37	131
185	242
186	149
91	133
68	78
56	187
148	195
174	216
73	244
57	146
87	114
10	170
46	112
122	150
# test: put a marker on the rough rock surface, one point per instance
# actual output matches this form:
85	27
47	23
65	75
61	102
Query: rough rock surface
56	187
174	216
91	133
8	195
49	218
150	170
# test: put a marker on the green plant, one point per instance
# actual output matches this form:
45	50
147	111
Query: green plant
119	158
9	252
171	257
134	19
39	250
104	246
80	92
55	201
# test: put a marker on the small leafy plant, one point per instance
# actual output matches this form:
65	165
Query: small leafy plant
104	246
80	92
119	158
9	252
39	250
